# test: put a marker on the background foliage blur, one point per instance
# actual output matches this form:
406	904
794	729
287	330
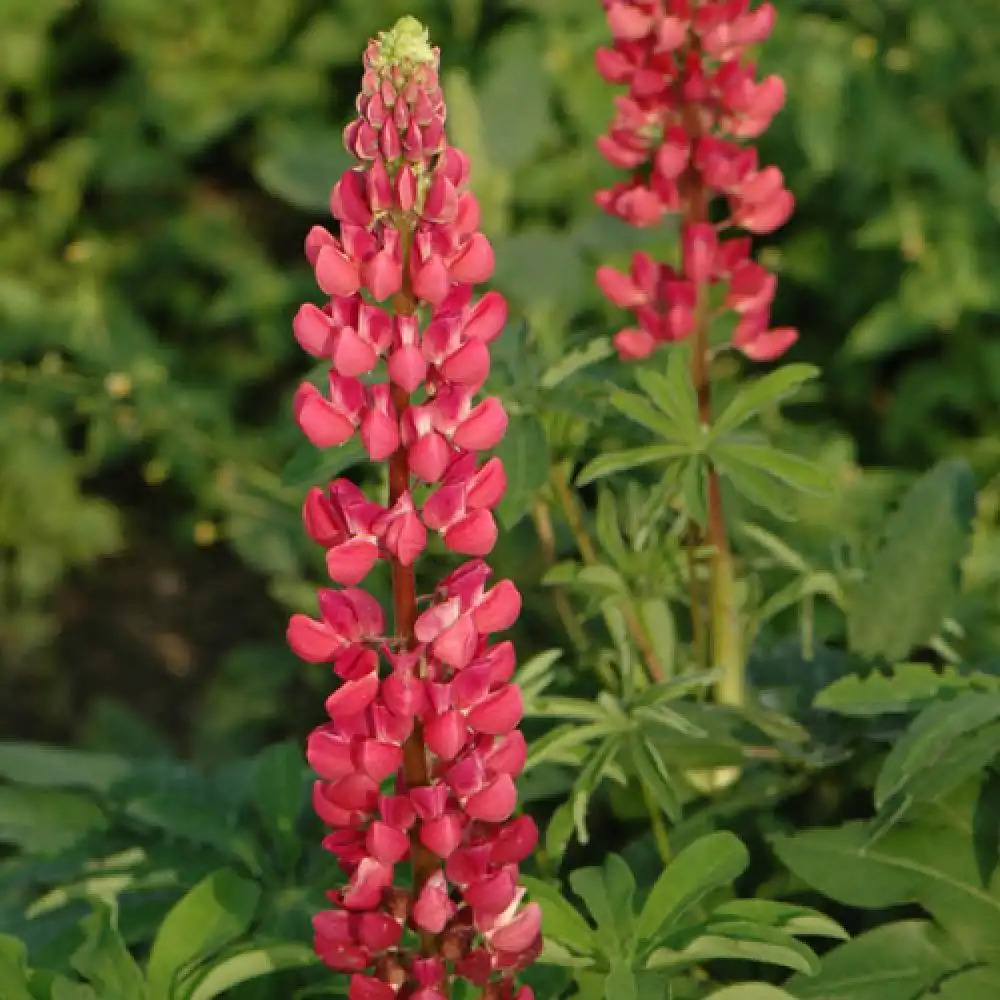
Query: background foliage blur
160	164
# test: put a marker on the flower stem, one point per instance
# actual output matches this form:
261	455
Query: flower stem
404	602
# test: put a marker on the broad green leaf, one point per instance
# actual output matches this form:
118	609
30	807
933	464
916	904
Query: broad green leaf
939	751
982	983
45	821
643	413
711	862
279	787
620	984
525	455
895	960
58	767
607	892
742	940
908	687
311	466
104	960
914	578
630	458
802	921
66	989
751	991
214	913
251	964
986	828
905	865
299	163
761	393
13	969
560	920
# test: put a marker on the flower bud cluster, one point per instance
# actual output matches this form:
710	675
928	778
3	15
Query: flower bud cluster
692	101
417	763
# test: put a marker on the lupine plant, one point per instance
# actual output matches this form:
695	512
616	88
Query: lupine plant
745	681
419	759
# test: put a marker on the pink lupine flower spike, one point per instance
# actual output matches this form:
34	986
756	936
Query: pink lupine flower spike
417	763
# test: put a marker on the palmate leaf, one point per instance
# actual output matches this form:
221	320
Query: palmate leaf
914	578
711	862
629	458
761	393
643	413
674	393
608	893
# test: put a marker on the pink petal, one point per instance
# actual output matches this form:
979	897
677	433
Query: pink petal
379	760
442	835
407	367
499	609
469	365
499	713
487	318
323	424
474	535
474	262
329	755
312	328
428	457
313	641
520	932
446	734
349	563
484	426
352	696
514	842
433	909
633	344
494	803
335	273
378	931
369	988
386	843
431	281
379	434
457	645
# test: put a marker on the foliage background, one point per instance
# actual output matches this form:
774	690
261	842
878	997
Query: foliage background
159	167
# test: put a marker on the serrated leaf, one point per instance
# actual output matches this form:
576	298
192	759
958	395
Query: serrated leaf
914	578
761	393
907	687
711	862
211	915
629	458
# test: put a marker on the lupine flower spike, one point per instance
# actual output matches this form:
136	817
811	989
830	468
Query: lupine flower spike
417	762
692	101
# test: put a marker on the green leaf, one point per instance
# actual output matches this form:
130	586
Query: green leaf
608	892
653	774
596	350
914	578
674	392
935	754
791	470
909	686
620	984
57	767
300	163
588	780
525	455
895	960
104	960
310	465
251	964
741	940
630	458
215	912
711	862
982	983
906	865
639	411
13	969
761	393
802	921
751	991
658	621
560	920
986	828
45	821
279	785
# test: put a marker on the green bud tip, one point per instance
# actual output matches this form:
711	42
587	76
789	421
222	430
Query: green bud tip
408	42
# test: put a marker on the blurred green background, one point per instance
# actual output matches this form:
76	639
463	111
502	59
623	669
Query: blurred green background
160	164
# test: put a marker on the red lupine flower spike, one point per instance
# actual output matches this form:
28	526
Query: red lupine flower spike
409	236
